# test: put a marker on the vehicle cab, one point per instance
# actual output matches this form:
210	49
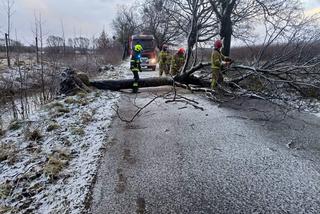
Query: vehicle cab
149	53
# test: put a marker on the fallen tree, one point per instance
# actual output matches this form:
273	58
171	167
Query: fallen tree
184	78
116	85
284	67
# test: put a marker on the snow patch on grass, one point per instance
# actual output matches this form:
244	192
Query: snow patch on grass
48	163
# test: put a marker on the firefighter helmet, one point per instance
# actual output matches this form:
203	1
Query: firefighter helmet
218	44
181	51
138	48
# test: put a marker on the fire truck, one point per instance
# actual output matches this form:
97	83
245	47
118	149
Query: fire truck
149	53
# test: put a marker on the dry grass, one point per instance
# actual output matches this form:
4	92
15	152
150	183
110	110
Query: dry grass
78	131
81	94
34	135
52	127
54	167
86	118
70	101
57	161
8	152
63	110
5	190
56	105
83	102
15	125
57	109
5	209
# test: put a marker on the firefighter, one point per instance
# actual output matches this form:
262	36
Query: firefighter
217	61
135	66
177	62
164	61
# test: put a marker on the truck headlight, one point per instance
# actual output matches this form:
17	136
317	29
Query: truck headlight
153	61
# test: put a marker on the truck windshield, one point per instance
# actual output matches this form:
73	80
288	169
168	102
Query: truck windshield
146	44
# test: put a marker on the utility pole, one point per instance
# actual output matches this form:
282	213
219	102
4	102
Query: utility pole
7	49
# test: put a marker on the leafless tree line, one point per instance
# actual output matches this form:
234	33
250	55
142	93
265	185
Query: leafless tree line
33	72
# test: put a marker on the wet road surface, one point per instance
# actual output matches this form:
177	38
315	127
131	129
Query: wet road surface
240	157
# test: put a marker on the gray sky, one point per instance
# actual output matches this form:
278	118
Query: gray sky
80	17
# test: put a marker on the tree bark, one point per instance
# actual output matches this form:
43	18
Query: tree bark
226	34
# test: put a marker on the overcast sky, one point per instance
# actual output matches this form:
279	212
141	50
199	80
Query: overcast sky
80	17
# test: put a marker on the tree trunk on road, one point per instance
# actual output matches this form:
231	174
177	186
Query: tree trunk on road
73	81
117	85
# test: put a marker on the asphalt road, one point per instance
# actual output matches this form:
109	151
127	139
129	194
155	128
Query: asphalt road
239	157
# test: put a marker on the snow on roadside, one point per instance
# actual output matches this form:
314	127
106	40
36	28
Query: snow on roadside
48	162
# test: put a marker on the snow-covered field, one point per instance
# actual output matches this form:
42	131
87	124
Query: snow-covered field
48	162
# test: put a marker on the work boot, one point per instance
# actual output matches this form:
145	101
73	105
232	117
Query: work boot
135	87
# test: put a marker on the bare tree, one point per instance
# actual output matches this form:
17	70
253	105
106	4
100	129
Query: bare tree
40	23
55	44
237	17
286	61
103	42
63	38
159	22
126	24
82	44
8	6
36	36
196	19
